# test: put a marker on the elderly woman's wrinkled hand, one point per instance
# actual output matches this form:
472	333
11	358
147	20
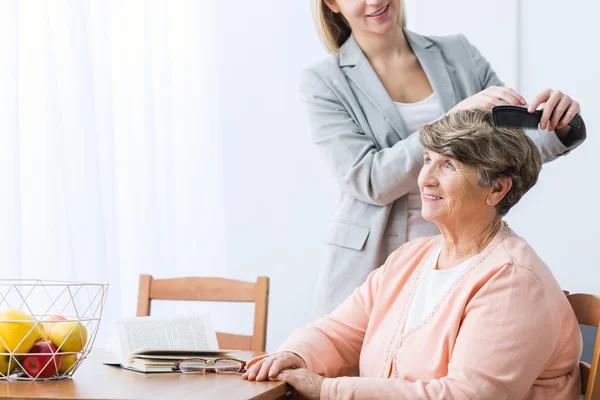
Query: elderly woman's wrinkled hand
559	109
269	367
306	383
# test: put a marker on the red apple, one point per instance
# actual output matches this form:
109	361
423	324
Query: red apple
35	361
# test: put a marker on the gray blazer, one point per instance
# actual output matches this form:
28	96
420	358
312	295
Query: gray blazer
373	157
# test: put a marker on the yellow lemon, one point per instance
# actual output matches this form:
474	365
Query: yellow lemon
16	333
69	336
66	360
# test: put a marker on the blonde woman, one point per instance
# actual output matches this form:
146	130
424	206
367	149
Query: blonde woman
366	100
473	313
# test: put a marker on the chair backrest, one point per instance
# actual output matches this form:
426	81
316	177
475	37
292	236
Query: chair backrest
213	289
587	310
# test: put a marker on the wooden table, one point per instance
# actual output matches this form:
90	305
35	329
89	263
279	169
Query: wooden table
94	380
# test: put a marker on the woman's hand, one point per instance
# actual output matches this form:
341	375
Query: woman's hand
306	383
269	367
559	110
490	97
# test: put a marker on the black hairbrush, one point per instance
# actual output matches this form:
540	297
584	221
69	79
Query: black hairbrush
519	117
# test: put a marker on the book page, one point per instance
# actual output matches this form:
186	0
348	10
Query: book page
190	332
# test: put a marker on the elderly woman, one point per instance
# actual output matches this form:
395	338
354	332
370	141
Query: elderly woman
473	313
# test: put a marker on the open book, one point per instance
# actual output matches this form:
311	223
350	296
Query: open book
154	344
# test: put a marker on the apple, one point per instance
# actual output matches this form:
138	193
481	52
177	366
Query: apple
42	365
49	325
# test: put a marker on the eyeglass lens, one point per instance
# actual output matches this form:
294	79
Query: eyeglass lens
221	366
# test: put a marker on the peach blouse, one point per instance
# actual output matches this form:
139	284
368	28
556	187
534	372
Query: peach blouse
504	330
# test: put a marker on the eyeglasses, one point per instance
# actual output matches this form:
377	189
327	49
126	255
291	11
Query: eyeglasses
223	365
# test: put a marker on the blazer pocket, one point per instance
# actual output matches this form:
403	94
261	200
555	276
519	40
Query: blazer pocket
346	234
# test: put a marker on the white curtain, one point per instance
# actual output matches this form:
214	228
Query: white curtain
109	153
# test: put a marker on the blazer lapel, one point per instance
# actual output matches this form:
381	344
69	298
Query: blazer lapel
365	78
435	68
369	83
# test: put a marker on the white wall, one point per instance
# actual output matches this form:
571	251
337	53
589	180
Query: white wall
279	194
561	217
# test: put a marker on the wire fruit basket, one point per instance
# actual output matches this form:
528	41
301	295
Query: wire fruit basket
47	328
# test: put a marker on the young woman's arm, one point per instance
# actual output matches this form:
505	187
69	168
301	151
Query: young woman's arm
551	144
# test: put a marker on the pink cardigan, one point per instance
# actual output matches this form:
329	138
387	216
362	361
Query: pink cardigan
505	330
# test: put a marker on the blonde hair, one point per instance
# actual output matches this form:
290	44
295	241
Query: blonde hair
470	137
333	29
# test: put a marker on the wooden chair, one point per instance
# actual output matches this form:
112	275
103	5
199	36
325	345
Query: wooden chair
213	289
587	310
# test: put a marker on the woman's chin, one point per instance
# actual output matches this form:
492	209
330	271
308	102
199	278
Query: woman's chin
383	29
430	216
434	220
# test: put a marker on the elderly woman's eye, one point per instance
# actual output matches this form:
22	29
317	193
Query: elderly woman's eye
449	165
427	160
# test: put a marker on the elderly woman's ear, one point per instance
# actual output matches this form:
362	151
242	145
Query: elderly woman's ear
500	187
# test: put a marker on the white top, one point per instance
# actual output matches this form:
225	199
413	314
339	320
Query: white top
414	115
432	286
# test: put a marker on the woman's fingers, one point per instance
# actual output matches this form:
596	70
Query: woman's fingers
563	105
520	99
264	369
489	101
276	367
287	360
568	116
490	97
272	365
307	384
549	107
508	95
539	99
287	376
253	370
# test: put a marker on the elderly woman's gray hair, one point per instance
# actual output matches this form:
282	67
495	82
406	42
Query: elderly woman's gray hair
470	137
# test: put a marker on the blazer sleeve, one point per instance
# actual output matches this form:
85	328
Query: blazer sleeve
508	336
331	346
373	175
549	144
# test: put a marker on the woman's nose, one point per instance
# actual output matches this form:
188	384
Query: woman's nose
427	176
